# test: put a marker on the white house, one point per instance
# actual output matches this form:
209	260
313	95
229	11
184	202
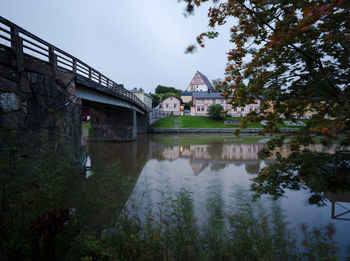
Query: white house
144	97
171	104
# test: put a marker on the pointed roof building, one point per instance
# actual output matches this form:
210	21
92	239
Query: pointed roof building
199	83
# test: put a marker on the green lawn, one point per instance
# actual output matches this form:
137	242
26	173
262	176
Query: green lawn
197	122
205	122
165	123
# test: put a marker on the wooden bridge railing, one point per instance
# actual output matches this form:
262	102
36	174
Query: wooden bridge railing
25	43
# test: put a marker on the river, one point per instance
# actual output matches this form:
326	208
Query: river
216	171
162	197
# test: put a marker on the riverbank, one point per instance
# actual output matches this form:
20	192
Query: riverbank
205	124
217	130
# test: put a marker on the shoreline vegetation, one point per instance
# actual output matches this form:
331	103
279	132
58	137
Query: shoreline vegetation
203	122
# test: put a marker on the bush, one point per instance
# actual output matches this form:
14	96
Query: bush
214	111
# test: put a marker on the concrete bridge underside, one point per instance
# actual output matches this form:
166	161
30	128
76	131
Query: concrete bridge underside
39	91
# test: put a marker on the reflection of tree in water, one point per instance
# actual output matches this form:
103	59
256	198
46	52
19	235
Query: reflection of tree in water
215	150
252	168
302	170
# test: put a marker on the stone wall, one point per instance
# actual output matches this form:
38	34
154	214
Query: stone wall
37	100
118	124
156	115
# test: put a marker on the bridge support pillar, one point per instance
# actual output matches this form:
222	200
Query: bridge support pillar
117	124
142	123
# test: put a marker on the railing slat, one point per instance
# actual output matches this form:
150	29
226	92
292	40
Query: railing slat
56	56
32	43
34	50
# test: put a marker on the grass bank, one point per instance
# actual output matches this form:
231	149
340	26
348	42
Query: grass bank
204	122
198	122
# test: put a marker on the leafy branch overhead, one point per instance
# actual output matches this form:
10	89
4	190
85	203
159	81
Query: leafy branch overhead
295	55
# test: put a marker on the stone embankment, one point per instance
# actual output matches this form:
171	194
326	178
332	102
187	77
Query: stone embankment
217	130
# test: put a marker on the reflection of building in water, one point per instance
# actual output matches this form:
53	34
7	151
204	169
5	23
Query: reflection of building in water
171	153
241	151
198	167
218	153
200	152
222	153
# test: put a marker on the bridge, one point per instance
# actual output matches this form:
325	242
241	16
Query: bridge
44	86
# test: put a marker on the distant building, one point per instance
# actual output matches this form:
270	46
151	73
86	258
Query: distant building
171	104
186	96
199	83
146	98
202	100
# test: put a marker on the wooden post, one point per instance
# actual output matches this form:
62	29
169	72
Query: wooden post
90	73
17	46
74	66
53	62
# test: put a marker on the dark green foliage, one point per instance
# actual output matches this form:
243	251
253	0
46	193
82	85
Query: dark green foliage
242	231
155	100
301	170
160	89
188	105
214	111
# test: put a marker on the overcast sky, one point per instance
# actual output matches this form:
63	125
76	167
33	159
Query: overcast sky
138	43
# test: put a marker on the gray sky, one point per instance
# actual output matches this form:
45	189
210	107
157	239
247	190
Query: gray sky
138	43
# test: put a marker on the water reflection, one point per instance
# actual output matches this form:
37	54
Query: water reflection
213	169
169	198
340	204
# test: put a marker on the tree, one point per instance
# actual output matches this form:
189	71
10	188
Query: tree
160	89
155	100
296	55
214	111
188	105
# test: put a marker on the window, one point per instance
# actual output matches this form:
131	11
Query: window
198	108
175	105
167	105
242	109
202	108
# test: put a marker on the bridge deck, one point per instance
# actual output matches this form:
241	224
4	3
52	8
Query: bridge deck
24	43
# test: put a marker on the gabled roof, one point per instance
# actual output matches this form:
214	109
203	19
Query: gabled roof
187	93
201	77
205	79
172	97
207	95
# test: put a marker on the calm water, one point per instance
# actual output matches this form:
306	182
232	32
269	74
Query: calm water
163	197
212	168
